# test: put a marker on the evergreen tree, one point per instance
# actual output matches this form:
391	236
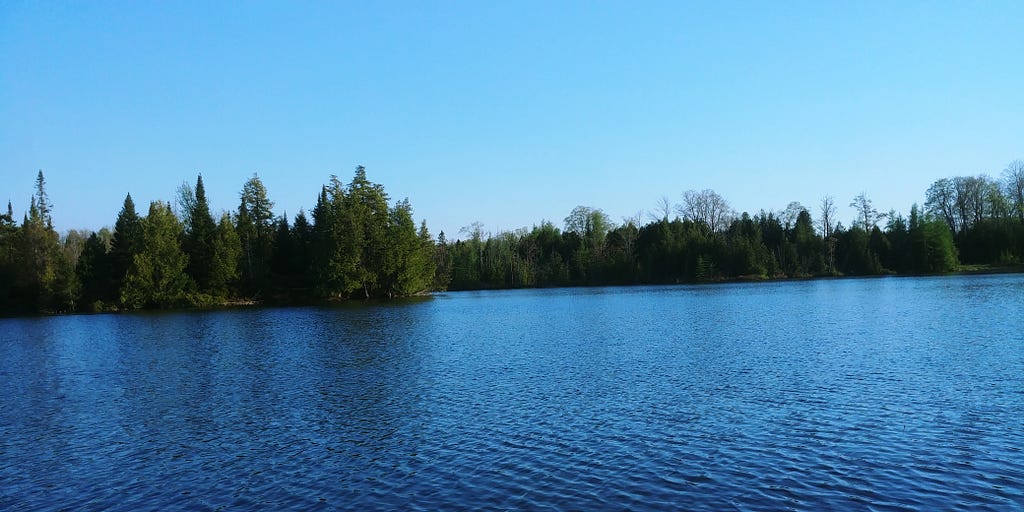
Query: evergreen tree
336	243
124	245
227	248
442	264
808	246
43	204
406	265
366	211
157	276
93	271
283	254
302	236
255	230
41	275
426	255
8	263
199	237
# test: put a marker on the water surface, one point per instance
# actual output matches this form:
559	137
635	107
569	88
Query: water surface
872	394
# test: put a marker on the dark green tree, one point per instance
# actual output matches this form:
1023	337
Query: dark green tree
227	249
126	242
407	267
8	260
157	277
256	232
367	214
43	277
43	205
94	272
442	264
199	236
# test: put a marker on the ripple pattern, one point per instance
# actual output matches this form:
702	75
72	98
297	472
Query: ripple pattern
874	394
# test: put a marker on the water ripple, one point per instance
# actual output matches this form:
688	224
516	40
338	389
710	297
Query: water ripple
736	397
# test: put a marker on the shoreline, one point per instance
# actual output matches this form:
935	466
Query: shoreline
240	303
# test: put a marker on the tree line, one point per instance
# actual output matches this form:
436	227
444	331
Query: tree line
966	220
357	245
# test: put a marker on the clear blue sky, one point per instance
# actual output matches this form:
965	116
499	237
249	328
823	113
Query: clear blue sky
506	113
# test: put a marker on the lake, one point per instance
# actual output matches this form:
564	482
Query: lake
855	394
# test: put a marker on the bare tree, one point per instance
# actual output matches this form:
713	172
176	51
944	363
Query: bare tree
662	210
964	201
1014	185
474	231
867	215
828	215
706	207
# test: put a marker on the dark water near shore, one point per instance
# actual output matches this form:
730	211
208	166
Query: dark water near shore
874	394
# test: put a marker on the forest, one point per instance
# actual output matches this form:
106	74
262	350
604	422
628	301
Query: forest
360	245
356	245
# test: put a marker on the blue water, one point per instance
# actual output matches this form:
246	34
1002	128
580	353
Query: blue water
873	394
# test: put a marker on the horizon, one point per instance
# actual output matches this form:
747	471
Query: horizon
506	115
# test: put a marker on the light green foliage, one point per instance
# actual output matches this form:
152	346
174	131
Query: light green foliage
157	276
931	244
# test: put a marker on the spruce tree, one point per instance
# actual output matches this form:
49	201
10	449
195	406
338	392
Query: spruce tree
43	204
200	236
125	243
302	235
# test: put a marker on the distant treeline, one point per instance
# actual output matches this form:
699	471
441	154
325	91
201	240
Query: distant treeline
973	220
357	245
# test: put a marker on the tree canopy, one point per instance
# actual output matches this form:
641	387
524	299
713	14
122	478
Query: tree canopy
357	243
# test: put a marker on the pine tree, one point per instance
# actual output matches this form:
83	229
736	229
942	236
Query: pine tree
41	272
199	238
255	230
123	247
43	204
157	276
